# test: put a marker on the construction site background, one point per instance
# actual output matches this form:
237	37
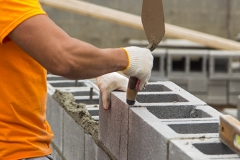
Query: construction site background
217	17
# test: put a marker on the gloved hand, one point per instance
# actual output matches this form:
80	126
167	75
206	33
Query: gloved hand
108	83
140	65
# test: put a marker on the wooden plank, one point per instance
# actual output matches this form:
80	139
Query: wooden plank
229	132
96	11
134	21
203	38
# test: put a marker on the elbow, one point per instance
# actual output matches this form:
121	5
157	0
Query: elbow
61	65
60	68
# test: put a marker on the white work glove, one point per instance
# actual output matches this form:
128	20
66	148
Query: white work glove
108	83
140	65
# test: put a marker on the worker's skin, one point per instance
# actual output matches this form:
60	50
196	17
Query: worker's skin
63	55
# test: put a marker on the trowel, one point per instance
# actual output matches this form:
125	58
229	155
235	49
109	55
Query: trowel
154	27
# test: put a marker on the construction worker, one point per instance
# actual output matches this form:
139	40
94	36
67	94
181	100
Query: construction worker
31	44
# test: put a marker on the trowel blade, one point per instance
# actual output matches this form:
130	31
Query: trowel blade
153	21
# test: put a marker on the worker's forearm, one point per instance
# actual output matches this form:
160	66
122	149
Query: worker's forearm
86	61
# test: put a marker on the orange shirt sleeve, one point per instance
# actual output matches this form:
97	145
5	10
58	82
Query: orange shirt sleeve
14	12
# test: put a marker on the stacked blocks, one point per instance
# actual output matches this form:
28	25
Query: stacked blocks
166	123
163	116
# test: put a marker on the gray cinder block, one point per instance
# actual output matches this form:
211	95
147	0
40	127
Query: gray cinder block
149	136
55	119
92	151
200	149
175	95
55	155
90	148
234	86
217	92
113	126
134	132
198	85
183	112
187	63
73	139
224	65
158	70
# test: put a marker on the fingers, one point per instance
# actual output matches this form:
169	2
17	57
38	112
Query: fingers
106	100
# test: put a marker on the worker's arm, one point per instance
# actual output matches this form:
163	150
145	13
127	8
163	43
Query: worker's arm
63	55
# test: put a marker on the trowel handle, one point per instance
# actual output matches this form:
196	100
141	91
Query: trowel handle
131	90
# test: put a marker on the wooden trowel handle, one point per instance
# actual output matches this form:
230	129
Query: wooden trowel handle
131	91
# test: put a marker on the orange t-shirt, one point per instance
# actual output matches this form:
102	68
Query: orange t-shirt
24	130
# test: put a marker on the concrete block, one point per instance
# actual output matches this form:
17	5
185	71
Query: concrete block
56	156
84	91
176	96
198	85
219	67
90	148
200	149
177	64
144	140
235	65
73	139
55	119
217	92
101	155
136	133
234	86
158	70
223	65
149	136
187	63
92	151
113	125
183	112
233	99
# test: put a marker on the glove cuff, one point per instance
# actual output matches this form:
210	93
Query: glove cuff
133	60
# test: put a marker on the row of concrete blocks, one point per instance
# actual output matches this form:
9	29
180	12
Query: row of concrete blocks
84	91
70	142
218	92
178	57
185	63
166	123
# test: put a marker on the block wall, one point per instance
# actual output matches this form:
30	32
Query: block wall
166	123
